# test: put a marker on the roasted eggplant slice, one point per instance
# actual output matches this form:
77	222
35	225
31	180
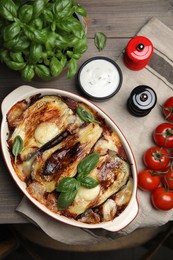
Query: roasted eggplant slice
42	121
61	161
112	173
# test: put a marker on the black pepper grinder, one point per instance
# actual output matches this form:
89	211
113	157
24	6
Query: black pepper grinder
141	101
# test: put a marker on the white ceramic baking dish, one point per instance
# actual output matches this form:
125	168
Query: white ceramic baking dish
24	92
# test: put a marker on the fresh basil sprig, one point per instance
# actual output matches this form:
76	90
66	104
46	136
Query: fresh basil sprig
69	186
88	164
86	115
17	146
100	40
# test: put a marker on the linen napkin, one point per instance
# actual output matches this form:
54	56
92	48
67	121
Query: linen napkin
158	74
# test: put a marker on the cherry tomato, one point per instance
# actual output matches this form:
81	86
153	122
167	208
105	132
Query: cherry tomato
167	109
163	135
156	158
162	199
147	181
167	179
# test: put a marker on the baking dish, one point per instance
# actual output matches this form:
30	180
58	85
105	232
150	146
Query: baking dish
24	92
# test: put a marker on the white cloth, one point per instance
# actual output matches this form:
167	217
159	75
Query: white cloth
138	131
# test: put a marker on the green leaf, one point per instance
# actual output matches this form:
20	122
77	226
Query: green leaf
38	8
100	40
48	15
17	146
80	10
35	52
4	54
63	61
11	31
67	184
72	68
81	45
37	23
71	54
15	65
18	43
88	164
86	115
51	41
55	67
16	56
63	8
88	182
35	35
65	199
25	13
8	10
42	71
28	72
72	25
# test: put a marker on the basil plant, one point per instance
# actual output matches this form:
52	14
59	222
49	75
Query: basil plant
39	38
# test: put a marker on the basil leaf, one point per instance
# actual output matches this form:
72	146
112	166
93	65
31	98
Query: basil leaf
8	10
38	8
37	23
15	65
88	164
71	54
65	199
48	15
53	26
88	182
28	72
42	72
17	146
63	8
80	10
35	35
25	13
19	43
63	61
51	41
86	115
4	54
67	184
72	68
55	67
100	40
81	45
16	56
11	31
72	25
35	52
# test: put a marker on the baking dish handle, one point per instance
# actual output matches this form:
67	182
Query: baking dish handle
131	214
13	97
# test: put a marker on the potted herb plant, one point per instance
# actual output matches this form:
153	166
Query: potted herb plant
42	37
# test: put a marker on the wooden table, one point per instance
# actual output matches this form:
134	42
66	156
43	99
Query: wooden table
119	20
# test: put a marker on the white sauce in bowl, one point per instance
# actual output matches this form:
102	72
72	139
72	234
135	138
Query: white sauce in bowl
100	78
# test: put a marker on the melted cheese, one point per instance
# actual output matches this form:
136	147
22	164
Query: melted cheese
45	132
88	194
124	196
109	209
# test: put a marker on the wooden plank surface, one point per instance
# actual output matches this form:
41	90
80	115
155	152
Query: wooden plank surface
119	20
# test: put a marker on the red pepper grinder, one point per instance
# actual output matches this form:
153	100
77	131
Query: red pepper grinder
138	52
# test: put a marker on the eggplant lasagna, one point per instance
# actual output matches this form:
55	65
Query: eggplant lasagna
70	159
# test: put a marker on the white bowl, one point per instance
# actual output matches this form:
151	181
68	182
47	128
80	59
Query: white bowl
24	92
